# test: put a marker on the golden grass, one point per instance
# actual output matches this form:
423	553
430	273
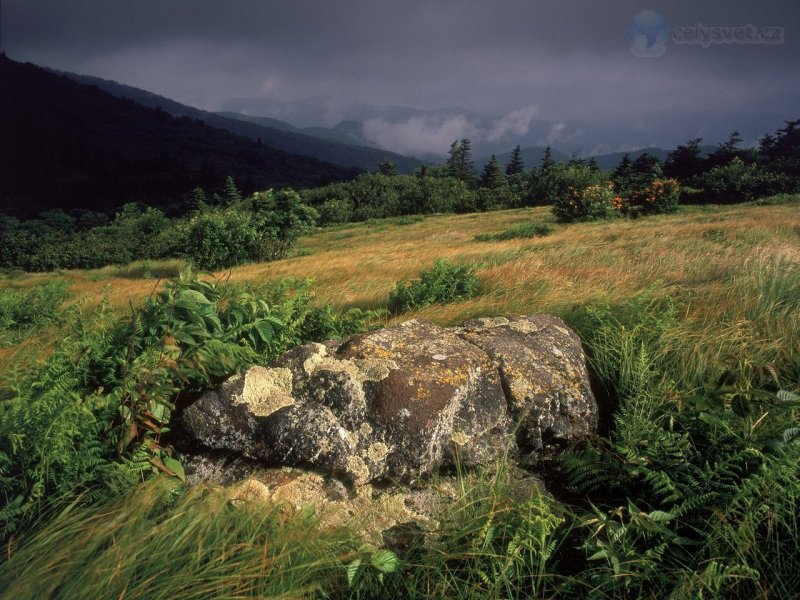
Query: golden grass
699	251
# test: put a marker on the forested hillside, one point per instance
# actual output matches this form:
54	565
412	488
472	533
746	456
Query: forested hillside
67	145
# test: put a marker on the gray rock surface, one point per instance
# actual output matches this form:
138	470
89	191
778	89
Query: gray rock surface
401	402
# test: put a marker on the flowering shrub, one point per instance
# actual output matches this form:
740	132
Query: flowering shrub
658	196
595	201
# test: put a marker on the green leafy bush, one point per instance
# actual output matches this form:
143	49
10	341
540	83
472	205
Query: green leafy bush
525	230
92	419
444	283
577	192
678	489
261	227
22	311
379	196
740	182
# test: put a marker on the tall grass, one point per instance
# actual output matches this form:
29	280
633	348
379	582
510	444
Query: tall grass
162	542
691	492
24	310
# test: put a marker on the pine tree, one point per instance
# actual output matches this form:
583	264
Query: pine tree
623	169
422	172
726	151
515	164
592	164
459	164
197	201
647	164
685	161
387	167
453	161
547	159
230	193
575	160
492	176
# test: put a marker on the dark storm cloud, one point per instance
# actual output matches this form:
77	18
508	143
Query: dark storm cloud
564	62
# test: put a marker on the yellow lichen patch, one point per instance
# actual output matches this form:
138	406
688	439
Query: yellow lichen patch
460	438
377	452
265	391
358	469
360	370
451	377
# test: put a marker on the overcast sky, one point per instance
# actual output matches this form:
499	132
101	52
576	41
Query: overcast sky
560	61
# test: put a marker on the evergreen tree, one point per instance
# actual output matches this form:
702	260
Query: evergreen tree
492	176
592	164
459	164
230	193
648	165
422	172
547	159
197	200
726	151
515	164
623	169
781	152
576	161
685	161
387	167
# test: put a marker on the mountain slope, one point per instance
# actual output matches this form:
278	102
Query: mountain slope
69	145
336	149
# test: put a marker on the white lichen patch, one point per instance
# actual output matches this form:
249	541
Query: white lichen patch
264	391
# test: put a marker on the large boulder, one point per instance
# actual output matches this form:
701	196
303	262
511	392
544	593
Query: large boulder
401	402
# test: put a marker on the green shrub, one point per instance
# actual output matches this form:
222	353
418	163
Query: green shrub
694	491
658	196
332	212
91	419
525	230
577	193
220	239
740	182
378	196
444	283
22	311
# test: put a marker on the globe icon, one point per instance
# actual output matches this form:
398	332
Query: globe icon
648	32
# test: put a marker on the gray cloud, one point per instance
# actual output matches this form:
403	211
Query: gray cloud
567	62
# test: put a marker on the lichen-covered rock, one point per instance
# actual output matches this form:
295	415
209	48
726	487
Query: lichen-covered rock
543	370
402	402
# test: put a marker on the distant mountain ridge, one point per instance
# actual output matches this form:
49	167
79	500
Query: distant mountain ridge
69	145
316	142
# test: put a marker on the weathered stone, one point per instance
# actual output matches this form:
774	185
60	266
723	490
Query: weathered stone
543	370
402	402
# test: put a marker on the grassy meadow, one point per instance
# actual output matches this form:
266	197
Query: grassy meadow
692	325
703	255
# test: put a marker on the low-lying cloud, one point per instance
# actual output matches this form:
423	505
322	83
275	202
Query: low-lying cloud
516	123
419	136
